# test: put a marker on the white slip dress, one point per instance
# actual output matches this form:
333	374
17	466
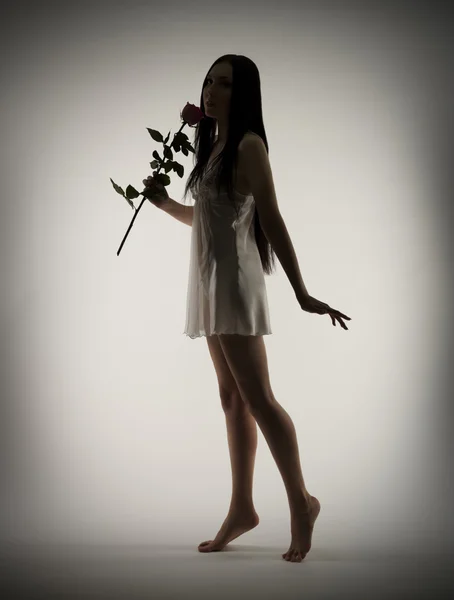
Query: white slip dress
226	291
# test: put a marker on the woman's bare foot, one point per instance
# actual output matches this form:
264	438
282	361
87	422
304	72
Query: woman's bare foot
302	527
234	525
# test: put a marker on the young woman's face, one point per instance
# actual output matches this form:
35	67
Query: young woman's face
218	89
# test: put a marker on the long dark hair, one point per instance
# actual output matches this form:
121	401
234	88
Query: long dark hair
245	115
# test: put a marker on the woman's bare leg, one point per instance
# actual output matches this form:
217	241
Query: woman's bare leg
247	359
242	442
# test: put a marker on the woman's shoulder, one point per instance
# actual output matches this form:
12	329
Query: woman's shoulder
249	135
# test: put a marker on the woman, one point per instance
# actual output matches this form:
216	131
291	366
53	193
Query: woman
235	233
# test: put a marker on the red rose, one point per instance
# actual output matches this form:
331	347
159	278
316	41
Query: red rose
191	114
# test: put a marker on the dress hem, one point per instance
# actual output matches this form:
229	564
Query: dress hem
197	335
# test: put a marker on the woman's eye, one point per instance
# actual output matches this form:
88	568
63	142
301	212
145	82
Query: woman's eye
225	83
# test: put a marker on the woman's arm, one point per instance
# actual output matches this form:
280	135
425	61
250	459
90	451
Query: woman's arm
179	211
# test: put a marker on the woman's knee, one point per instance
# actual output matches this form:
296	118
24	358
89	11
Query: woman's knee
231	400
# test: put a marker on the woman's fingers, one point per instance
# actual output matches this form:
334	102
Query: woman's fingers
335	315
338	313
149	181
344	316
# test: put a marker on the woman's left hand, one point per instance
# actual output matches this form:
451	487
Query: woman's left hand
312	305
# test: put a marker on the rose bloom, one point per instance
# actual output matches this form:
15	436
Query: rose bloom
192	114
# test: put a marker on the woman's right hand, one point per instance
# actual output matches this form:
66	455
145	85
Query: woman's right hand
155	192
